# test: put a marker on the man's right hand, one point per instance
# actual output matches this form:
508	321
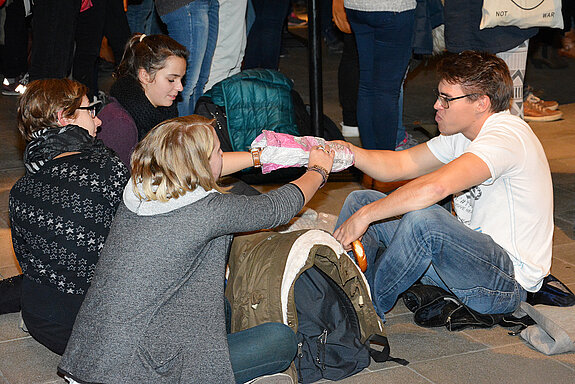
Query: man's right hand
352	229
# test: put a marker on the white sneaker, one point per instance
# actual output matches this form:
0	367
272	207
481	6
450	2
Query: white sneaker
278	378
348	131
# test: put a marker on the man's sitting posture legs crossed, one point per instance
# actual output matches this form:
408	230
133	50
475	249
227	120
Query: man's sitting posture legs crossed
497	246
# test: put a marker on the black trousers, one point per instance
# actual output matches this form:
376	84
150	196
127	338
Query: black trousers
104	18
348	80
15	54
53	26
49	314
50	334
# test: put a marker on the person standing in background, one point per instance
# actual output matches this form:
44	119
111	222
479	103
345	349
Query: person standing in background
264	39
53	30
194	24
383	32
231	42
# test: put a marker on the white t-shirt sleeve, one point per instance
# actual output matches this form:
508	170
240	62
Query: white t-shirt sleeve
501	150
448	148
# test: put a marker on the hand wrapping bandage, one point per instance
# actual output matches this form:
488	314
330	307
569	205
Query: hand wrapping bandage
280	150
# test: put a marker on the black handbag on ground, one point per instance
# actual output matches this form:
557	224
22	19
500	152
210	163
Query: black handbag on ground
435	307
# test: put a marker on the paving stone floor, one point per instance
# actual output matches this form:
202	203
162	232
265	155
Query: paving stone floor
435	355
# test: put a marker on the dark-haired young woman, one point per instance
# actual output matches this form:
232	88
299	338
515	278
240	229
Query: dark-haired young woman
149	79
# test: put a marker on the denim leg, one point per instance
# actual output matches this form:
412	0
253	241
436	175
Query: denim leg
213	17
400	136
433	243
262	350
265	35
348	80
137	14
469	263
190	26
384	47
142	18
376	238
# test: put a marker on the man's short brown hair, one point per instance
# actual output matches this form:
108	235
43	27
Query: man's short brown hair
479	73
38	107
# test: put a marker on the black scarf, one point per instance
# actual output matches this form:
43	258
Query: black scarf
131	96
51	142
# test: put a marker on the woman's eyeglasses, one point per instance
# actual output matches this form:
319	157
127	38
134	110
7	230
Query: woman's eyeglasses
92	109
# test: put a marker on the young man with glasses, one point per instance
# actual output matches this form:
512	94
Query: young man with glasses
497	245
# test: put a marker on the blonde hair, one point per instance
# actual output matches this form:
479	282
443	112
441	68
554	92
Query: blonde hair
174	158
38	107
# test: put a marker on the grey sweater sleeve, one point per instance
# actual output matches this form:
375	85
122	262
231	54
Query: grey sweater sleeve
235	213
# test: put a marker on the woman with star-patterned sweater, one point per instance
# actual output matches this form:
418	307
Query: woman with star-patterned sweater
62	208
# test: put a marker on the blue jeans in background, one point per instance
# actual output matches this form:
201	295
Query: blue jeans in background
435	246
142	18
195	26
265	35
384	47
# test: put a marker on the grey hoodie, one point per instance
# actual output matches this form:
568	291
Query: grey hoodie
155	311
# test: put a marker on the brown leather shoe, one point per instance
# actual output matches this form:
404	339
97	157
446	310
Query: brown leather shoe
549	104
536	112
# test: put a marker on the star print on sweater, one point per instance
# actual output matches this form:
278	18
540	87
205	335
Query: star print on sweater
61	216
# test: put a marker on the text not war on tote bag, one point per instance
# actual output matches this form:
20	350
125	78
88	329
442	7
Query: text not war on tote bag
521	13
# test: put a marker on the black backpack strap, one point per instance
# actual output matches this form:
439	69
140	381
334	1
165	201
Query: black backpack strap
383	355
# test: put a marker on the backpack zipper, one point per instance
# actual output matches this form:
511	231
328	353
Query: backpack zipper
321	342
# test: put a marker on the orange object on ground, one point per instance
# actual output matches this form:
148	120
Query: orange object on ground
359	255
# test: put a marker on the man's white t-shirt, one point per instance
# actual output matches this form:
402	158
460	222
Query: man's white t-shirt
514	206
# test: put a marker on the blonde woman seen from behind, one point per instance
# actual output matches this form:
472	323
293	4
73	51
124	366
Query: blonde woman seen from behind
155	311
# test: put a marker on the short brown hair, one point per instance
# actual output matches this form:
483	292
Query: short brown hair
38	107
479	73
174	158
150	53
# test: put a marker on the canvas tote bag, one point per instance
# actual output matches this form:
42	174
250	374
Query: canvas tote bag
521	13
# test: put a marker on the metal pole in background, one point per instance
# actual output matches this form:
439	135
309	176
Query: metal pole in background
315	74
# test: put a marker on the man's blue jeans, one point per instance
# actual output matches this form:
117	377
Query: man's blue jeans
433	245
384	47
195	26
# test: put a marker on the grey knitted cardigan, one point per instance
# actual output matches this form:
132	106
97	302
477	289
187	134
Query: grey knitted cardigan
155	310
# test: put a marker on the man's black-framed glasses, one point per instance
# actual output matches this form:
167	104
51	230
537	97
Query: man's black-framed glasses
444	100
92	109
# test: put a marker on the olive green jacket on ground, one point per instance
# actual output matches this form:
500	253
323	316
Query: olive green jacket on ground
263	270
